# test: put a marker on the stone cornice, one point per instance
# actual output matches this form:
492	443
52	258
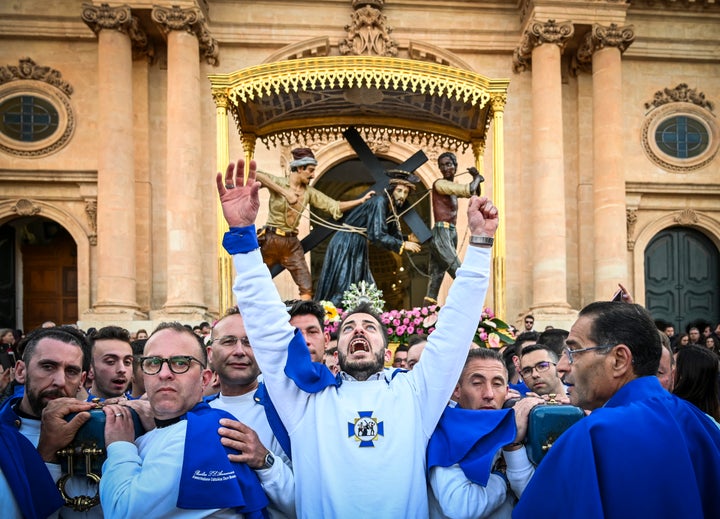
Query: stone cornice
600	37
540	33
680	94
191	20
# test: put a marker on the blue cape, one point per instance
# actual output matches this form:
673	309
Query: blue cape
209	479
28	477
471	439
646	453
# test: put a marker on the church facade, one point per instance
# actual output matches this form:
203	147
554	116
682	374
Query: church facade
601	152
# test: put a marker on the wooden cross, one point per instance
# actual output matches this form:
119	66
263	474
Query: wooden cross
376	169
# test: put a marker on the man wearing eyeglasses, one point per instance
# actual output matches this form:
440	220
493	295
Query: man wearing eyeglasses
642	452
180	468
538	368
232	358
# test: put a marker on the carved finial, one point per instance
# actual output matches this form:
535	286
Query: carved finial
28	69
680	94
368	34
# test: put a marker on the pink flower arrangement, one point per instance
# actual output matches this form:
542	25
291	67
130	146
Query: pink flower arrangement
401	324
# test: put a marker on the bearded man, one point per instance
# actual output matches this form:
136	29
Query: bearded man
347	260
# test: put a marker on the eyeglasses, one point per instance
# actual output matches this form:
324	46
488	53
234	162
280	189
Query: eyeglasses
540	367
178	364
570	352
229	341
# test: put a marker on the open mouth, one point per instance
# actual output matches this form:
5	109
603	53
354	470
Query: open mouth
358	344
119	381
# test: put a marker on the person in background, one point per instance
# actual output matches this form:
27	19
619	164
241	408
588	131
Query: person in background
696	380
666	368
401	357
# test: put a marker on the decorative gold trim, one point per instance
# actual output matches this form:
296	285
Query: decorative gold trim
369	74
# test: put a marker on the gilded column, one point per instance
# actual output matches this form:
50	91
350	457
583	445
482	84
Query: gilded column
498	197
185	29
116	254
542	45
225	267
603	47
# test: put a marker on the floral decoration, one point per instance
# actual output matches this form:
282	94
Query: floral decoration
401	324
363	292
333	316
492	331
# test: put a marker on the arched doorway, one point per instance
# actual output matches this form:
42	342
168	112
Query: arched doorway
682	277
42	274
399	277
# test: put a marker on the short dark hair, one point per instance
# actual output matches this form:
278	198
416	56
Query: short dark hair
526	337
182	328
554	338
66	334
629	324
529	316
415	339
306	307
484	354
367	308
538	346
448	154
106	333
402	348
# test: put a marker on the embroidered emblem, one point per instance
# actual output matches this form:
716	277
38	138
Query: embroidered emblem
365	429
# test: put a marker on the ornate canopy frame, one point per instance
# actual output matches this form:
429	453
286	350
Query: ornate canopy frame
424	103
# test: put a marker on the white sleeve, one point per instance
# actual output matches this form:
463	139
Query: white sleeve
460	498
269	330
131	487
441	363
278	482
519	470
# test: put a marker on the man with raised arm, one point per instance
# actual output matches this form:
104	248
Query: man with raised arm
345	430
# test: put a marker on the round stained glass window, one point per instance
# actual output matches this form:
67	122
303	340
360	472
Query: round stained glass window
28	118
682	137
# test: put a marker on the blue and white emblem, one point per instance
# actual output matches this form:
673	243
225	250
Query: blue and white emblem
365	429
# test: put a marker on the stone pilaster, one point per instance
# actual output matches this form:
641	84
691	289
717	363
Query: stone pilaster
603	46
116	258
542	46
185	213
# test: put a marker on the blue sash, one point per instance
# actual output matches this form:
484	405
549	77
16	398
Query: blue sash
276	426
209	479
311	377
28	477
470	438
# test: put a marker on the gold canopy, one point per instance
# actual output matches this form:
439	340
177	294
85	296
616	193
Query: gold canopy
424	103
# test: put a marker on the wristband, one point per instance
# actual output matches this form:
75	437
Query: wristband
239	240
481	241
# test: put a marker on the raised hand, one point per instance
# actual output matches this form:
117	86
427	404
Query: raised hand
483	217
238	197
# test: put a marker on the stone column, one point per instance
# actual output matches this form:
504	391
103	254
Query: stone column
542	45
116	281
603	47
185	29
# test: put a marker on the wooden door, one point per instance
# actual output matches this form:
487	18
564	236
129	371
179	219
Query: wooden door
49	276
682	277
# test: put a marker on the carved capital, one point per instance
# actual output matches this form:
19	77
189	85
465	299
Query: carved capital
680	94
686	217
28	69
498	101
540	33
368	33
25	207
190	20
600	37
220	97
106	17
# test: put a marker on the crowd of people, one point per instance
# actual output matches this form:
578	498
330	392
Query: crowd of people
263	414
